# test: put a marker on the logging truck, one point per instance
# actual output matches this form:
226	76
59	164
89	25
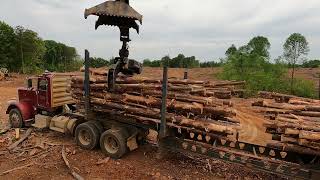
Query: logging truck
46	102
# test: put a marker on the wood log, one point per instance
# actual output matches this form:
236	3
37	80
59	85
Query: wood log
219	94
155	113
313	108
97	71
298	102
156	102
284	111
307	143
139	87
286	139
131	80
227	83
293	128
188	97
147	121
263	103
290	131
94	79
306	113
285	97
172	105
293	148
301	118
308	100
315	136
217	84
277	96
226	112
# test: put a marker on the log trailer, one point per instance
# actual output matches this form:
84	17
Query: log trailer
46	102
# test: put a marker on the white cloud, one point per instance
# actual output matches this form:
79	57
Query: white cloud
203	28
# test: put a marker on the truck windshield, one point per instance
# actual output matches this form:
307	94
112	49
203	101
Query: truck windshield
43	84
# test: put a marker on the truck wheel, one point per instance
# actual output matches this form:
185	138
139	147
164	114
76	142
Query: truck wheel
113	143
98	125
15	118
87	136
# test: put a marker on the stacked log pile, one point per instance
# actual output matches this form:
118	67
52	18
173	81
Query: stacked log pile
198	105
293	121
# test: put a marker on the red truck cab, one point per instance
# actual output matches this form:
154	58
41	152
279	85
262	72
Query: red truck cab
44	94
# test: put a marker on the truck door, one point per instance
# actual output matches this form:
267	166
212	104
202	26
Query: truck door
43	99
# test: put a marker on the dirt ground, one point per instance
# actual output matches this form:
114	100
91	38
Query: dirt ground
42	151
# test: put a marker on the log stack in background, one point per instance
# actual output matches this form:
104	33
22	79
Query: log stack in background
292	120
198	105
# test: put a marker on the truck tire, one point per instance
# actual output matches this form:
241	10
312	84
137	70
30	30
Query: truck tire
15	118
87	136
113	143
98	125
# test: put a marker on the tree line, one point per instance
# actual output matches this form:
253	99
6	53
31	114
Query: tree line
181	61
23	51
252	63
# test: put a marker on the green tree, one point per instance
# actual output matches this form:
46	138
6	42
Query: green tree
7	47
311	64
59	57
30	49
98	62
251	64
210	64
231	50
295	47
165	61
260	46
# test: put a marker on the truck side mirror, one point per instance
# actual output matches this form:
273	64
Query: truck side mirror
29	83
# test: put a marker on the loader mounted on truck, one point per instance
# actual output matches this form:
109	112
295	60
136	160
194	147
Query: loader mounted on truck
47	102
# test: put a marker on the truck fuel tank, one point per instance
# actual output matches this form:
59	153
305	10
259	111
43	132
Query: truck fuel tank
61	124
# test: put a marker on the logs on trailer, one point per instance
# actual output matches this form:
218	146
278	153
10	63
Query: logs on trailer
206	107
199	105
296	119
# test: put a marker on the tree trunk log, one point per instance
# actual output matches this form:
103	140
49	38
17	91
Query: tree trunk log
155	114
314	136
293	148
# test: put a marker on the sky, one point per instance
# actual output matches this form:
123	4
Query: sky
204	28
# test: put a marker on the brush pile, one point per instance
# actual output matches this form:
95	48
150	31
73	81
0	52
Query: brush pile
198	105
292	120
